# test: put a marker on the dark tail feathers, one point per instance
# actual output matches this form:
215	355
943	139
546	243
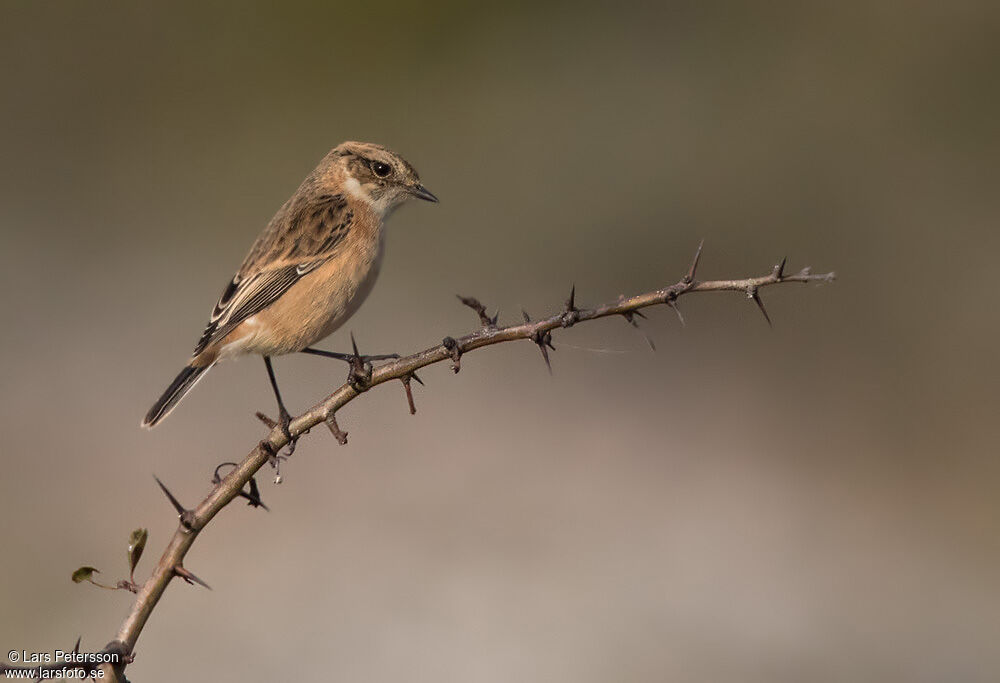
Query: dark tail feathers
187	378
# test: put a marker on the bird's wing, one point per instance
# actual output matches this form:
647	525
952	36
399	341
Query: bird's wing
292	246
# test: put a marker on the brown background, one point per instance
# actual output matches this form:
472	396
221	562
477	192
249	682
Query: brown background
817	502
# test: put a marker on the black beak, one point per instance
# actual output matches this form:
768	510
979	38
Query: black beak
421	192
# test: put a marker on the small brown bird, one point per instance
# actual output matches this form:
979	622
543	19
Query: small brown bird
310	269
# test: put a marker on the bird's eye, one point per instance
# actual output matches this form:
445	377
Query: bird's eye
380	169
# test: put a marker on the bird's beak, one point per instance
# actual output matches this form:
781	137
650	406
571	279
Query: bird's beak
421	192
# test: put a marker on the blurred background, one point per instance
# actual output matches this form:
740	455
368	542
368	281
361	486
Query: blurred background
813	502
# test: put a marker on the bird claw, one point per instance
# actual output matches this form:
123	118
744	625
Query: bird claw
285	422
360	374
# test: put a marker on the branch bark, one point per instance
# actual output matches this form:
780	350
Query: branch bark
193	521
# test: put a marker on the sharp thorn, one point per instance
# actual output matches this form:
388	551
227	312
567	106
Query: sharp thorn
527	318
409	393
779	270
570	314
76	648
545	355
760	304
677	310
173	501
180	571
419	381
543	340
271	424
354	346
630	317
694	263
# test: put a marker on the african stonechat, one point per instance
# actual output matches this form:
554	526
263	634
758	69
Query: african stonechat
308	271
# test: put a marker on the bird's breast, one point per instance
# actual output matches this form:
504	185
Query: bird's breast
317	304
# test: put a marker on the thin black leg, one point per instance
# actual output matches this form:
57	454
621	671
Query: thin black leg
361	366
349	357
284	419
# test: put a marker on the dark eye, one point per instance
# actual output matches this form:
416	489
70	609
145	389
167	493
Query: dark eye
380	169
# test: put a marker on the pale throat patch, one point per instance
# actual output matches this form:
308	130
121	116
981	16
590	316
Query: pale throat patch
353	188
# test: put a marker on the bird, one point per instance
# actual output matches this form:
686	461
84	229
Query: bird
308	271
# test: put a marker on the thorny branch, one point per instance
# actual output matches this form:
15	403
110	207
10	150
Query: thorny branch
361	379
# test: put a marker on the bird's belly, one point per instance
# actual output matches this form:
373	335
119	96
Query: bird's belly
343	305
311	309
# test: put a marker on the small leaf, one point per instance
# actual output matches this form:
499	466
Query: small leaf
136	544
84	574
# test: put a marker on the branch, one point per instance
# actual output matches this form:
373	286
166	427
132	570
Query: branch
539	332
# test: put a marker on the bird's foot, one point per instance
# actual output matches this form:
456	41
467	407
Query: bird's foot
284	423
360	374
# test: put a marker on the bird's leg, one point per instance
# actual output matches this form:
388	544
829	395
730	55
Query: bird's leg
284	419
349	357
361	366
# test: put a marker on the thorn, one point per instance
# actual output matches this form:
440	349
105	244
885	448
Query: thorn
779	270
338	434
672	302
186	516
752	294
542	339
271	424
630	316
454	351
570	313
689	278
76	648
544	342
180	571
405	379
419	381
484	319
545	355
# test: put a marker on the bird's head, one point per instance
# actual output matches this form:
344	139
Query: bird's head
378	176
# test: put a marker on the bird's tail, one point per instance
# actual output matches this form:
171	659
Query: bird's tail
177	390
